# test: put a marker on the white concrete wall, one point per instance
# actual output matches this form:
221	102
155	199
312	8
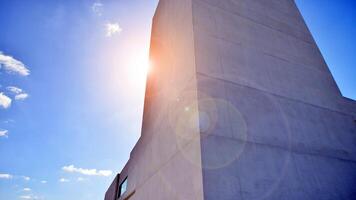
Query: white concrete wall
274	124
240	104
166	162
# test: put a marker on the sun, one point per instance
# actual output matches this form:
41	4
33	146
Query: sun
128	66
138	66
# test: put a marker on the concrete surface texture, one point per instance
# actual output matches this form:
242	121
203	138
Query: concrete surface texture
111	193
240	104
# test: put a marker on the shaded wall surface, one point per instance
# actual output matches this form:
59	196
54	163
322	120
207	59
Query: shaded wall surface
111	193
240	104
273	122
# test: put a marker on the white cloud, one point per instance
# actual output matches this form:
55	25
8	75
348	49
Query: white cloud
5	101
112	28
13	66
104	172
21	96
88	172
44	182
63	180
26	178
30	197
14	89
6	176
4	133
97	8
25	197
80	179
27	189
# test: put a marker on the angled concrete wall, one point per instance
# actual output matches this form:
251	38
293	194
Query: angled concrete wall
240	104
166	162
273	122
111	193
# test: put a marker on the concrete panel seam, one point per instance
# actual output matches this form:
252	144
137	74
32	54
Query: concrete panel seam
277	95
291	150
275	56
256	22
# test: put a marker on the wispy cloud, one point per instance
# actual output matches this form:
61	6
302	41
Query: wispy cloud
88	172
5	101
8	121
26	178
27	189
6	176
14	89
63	180
13	66
80	179
43	181
4	133
19	93
26	197
30	197
21	96
97	8
112	28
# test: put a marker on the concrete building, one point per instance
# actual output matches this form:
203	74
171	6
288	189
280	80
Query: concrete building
240	105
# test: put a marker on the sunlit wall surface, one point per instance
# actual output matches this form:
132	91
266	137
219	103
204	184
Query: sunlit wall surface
170	140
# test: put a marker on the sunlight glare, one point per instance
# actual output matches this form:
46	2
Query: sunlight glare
138	68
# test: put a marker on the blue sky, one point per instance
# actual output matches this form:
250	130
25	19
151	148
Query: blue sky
77	71
333	25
